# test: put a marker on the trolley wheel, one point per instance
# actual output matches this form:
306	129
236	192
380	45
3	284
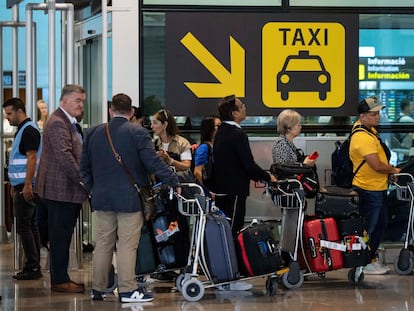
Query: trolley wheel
291	281
179	281
404	264
193	290
271	286
355	276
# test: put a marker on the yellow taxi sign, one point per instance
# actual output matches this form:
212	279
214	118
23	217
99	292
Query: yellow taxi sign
303	65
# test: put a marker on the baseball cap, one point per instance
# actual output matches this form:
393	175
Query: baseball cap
369	104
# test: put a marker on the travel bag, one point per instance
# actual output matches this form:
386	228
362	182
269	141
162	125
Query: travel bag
146	262
258	251
320	253
354	236
219	252
171	233
339	205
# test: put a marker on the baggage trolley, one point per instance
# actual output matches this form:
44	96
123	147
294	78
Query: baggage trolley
290	197
404	263
190	283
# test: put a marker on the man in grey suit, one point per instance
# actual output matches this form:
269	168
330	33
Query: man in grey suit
114	199
58	183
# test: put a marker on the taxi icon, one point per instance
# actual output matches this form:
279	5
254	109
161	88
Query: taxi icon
303	73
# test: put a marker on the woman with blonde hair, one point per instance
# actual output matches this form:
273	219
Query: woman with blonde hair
42	114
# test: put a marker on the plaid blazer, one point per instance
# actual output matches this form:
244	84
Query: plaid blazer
58	176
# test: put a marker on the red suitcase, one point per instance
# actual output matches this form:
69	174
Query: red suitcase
321	259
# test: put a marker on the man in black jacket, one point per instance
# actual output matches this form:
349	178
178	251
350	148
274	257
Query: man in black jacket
234	165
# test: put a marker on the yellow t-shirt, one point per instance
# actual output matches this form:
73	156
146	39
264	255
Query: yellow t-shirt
362	144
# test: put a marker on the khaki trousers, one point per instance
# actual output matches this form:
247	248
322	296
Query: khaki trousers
124	228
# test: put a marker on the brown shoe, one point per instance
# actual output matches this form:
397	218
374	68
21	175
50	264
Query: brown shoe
69	287
77	284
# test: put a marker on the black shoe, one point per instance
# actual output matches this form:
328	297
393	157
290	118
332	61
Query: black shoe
168	276
28	275
97	295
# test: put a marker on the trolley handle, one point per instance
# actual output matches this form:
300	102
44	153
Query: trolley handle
395	178
404	174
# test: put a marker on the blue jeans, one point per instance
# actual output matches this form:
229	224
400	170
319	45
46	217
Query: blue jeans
26	226
372	207
62	217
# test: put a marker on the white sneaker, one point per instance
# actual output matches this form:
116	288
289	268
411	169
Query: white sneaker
236	286
137	295
375	268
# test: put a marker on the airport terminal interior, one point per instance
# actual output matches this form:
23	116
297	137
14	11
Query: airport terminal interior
170	54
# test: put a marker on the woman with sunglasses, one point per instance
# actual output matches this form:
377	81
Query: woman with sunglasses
173	148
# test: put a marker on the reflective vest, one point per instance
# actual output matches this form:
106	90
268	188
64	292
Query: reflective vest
18	162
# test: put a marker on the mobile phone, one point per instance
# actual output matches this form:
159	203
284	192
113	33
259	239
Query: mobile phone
314	155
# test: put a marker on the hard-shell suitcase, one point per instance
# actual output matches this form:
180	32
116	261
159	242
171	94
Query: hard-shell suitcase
340	205
319	257
258	250
146	260
219	249
350	231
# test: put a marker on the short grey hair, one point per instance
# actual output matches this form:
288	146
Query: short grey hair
287	119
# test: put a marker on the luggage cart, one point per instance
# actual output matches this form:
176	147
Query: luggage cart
290	197
190	282
404	263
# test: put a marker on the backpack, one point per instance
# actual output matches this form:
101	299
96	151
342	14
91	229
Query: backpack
207	173
342	167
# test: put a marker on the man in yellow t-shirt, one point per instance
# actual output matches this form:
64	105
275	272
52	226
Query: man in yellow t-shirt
371	180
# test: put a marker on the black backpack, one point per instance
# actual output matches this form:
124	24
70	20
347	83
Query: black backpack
342	168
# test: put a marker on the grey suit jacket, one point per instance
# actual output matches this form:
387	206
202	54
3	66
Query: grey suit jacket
108	183
58	176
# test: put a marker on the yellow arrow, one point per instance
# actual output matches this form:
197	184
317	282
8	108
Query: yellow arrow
229	82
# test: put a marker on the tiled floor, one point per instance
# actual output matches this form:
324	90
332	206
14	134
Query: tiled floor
390	292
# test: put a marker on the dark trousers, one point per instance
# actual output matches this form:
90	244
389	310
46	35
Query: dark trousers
26	226
372	206
234	206
42	222
62	217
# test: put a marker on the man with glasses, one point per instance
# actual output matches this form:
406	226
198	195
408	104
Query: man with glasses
371	180
234	167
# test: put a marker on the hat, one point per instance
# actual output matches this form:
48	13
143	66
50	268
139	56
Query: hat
369	104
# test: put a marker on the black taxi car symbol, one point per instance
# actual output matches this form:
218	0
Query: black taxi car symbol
303	73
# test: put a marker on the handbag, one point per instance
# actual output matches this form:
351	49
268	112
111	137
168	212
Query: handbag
305	174
147	194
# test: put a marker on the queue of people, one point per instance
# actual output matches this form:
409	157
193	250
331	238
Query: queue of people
60	169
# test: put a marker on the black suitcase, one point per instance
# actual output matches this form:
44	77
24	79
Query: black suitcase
356	255
219	249
258	251
337	204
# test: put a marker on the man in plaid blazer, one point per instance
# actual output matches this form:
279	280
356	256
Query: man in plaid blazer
58	183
